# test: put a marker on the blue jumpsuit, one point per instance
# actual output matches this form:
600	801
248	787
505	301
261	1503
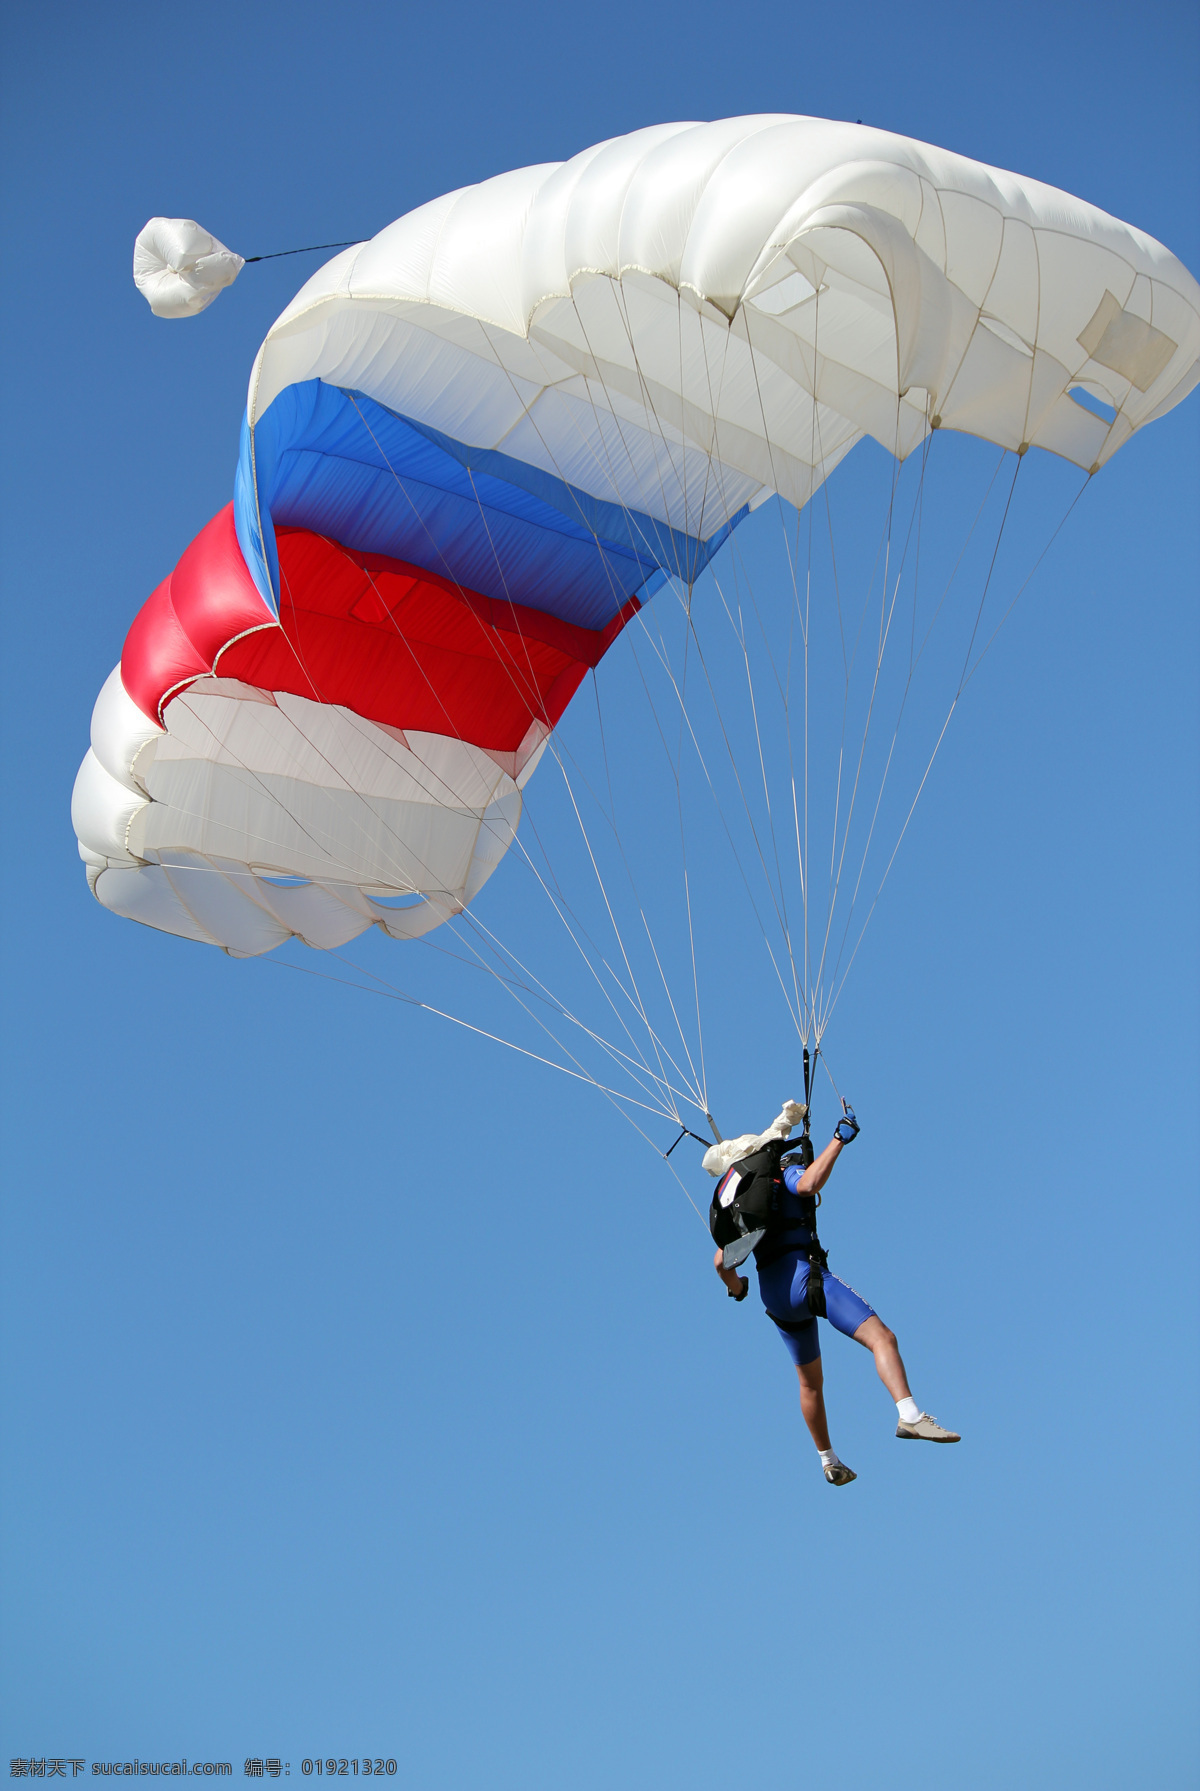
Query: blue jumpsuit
783	1271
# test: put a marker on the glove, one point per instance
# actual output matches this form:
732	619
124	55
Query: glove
847	1127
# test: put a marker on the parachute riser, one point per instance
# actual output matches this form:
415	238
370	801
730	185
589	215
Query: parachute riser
686	1133
806	1152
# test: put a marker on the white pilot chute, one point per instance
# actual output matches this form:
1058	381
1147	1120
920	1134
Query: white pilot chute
179	268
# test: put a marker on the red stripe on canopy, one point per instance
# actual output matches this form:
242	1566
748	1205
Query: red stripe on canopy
391	641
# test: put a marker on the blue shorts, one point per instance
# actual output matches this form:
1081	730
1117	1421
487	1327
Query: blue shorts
783	1285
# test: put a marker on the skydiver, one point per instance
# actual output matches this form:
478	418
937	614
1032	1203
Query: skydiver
784	1256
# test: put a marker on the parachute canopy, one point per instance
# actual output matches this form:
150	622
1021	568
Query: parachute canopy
476	445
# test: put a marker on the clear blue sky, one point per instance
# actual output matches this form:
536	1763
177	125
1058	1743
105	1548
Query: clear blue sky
367	1392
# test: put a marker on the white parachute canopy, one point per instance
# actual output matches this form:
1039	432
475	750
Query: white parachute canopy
475	449
179	268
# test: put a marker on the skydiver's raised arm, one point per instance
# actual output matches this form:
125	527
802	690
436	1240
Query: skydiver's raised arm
818	1172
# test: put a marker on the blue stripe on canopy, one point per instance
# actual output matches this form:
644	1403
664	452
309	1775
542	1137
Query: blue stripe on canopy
337	463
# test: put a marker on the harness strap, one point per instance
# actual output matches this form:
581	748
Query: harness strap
814	1293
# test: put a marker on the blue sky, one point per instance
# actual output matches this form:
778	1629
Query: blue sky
368	1391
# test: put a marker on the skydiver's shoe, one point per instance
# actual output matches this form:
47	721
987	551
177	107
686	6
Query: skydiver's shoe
839	1474
927	1430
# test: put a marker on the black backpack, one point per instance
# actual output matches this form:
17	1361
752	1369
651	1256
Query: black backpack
747	1198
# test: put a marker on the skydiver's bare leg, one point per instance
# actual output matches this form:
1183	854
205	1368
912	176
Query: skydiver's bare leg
812	1402
874	1335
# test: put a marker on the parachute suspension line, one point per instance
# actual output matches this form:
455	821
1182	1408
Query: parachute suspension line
679	685
533	700
914	519
915	662
273	795
616	928
804	1004
697	1093
736	772
687	518
679	471
641	1006
785	703
795	614
660	1078
389	992
530	696
666	1096
554	747
537	991
714	412
818	464
602	464
528	692
739	631
527	415
634	1068
615	418
616	485
663	659
635	530
817	459
810	1009
967	674
886	611
687	885
446	790
837	592
579	1073
628	868
848	664
661	654
687	574
926	446
1087	479
562	904
829	1073
834	985
636	1000
668	1110
661	1081
563	908
987	583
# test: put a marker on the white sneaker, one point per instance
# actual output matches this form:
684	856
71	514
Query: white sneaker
840	1475
927	1430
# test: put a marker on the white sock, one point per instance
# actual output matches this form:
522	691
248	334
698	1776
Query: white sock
829	1459
908	1409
